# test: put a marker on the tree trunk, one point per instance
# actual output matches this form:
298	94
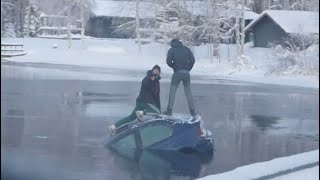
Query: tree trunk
69	35
228	50
24	4
216	28
17	22
166	31
28	21
82	23
69	26
302	5
242	27
286	5
210	50
138	26
1	18
237	30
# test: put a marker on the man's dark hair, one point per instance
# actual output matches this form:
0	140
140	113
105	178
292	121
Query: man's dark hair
174	40
156	67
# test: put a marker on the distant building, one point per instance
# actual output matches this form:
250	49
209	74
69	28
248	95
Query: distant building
108	15
278	26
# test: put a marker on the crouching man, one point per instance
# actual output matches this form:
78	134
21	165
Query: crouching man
147	102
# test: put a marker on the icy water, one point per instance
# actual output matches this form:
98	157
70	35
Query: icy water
55	129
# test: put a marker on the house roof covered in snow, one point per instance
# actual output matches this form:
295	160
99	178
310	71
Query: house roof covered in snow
148	10
291	21
248	14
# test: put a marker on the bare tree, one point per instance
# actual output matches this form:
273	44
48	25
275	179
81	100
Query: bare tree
82	22
238	30
27	23
138	25
242	27
286	5
302	5
69	37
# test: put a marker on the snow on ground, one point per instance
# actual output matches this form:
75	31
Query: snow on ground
258	170
123	54
17	72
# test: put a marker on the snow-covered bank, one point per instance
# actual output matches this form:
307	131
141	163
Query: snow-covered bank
310	173
122	54
278	165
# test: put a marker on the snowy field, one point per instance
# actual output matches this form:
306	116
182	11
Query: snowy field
123	54
270	169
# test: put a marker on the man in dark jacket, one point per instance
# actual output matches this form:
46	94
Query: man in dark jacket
181	60
148	100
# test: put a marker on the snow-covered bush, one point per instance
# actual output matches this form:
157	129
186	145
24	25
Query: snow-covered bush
285	57
296	61
244	62
8	30
124	29
297	41
276	5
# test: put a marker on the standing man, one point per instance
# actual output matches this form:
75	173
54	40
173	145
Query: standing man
148	100
181	60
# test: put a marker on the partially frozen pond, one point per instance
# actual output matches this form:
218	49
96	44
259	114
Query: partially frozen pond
59	127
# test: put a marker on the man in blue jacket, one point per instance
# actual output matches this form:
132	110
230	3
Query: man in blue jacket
181	60
148	100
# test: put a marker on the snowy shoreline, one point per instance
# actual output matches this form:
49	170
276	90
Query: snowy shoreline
26	72
261	170
122	54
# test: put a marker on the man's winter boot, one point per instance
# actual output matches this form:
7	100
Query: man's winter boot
168	112
193	113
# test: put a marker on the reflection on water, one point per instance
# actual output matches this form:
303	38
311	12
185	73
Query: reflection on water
50	119
163	164
12	127
99	104
106	109
20	165
264	122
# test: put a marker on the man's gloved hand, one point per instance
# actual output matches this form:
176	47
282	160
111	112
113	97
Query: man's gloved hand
139	115
112	129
